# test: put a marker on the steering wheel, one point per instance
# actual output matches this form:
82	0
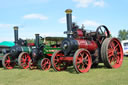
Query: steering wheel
102	32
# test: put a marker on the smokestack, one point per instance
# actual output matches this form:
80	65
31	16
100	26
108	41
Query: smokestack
16	34
69	22
37	40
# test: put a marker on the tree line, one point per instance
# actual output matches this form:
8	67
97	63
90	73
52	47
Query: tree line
123	34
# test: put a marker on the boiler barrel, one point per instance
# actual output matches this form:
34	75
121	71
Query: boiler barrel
26	49
87	44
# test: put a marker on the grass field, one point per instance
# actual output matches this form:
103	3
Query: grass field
97	76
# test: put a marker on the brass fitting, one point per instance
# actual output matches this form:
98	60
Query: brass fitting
15	27
68	11
37	34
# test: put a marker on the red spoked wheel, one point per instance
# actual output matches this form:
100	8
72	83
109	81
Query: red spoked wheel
23	60
112	53
57	63
82	61
8	62
45	64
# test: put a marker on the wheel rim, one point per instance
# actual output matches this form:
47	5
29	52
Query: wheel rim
24	60
57	63
82	61
115	53
45	64
31	64
8	63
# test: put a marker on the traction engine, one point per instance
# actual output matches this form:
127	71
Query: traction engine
84	49
41	55
18	54
39	59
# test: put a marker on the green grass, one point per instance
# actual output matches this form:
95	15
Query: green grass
97	76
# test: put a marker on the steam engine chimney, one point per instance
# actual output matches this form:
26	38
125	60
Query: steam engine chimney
69	22
37	40
16	34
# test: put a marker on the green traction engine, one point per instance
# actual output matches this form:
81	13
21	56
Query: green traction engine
41	54
18	54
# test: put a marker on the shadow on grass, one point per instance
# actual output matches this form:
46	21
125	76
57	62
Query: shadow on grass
16	67
52	70
71	69
99	67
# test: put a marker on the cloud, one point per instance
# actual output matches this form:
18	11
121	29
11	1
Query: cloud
30	35
99	3
83	3
63	19
90	23
5	26
86	3
52	34
35	16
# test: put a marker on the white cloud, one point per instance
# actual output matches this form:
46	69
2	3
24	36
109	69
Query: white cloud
90	23
31	35
86	3
99	3
83	3
4	26
35	16
63	19
52	34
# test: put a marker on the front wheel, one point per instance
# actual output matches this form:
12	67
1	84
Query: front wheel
45	64
57	63
8	62
82	61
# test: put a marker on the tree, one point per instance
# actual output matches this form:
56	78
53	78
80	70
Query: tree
33	41
30	40
123	34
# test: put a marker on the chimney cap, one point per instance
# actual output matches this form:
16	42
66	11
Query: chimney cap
68	11
15	27
37	34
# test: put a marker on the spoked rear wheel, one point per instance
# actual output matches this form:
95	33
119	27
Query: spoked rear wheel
57	63
23	60
112	53
8	62
82	61
45	64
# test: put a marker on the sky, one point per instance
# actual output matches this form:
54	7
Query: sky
47	17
